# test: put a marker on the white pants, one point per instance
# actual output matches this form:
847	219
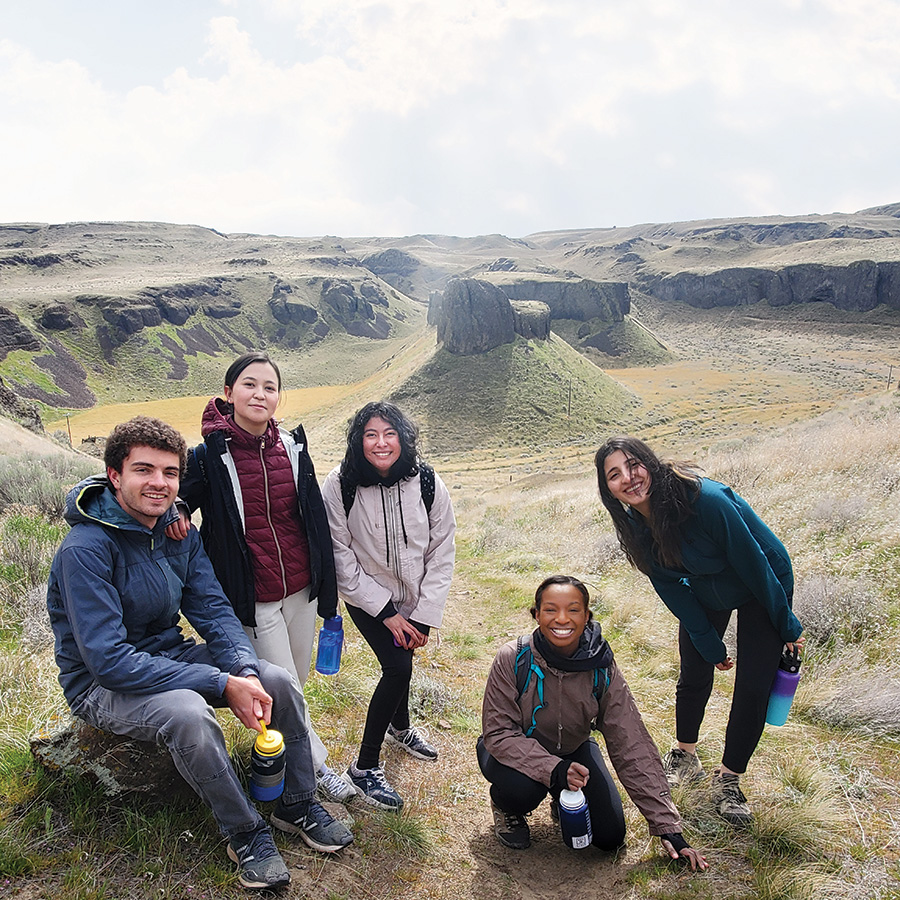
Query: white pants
284	634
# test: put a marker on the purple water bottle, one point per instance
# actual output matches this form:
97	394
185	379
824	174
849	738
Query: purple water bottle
783	688
331	640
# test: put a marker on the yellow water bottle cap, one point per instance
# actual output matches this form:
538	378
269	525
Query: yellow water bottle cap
269	742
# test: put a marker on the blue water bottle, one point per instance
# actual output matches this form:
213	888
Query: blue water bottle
783	688
331	641
575	819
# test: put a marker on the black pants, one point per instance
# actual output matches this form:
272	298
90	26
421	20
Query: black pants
516	793
390	701
759	650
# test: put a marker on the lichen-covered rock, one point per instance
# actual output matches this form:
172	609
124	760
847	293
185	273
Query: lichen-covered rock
119	765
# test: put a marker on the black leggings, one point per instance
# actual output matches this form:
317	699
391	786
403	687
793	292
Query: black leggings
390	701
516	793
758	653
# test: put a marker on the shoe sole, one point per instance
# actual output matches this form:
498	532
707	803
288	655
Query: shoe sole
372	801
737	821
330	797
390	739
256	885
513	845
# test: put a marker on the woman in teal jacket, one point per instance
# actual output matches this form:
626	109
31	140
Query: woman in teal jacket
706	553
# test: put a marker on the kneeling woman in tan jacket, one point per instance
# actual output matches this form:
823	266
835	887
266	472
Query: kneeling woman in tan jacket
537	725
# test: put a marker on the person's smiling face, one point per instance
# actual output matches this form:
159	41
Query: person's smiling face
562	617
628	480
381	445
254	396
148	483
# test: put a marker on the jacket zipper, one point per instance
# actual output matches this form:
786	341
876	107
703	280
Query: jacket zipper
262	446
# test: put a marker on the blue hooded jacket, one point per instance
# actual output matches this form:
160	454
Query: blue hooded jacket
729	557
115	594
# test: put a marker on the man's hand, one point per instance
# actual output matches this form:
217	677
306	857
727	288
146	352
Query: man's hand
726	664
248	701
178	530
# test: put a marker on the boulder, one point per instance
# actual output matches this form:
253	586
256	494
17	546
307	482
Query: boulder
119	765
58	317
532	319
475	316
14	335
26	414
391	262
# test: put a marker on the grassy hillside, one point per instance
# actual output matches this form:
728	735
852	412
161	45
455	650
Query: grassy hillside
529	393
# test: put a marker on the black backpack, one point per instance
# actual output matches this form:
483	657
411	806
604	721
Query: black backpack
426	483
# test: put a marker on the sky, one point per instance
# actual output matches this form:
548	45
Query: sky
464	117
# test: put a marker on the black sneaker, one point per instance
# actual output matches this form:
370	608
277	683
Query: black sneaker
260	866
412	742
682	767
373	788
314	824
731	804
511	830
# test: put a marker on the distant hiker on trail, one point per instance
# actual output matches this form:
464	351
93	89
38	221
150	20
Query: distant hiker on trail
393	529
706	553
545	693
264	527
117	589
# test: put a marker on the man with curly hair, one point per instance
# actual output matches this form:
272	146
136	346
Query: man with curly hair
117	589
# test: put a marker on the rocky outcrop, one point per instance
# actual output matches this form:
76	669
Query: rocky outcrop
531	318
580	299
860	286
14	335
351	303
21	411
59	317
475	316
391	262
288	310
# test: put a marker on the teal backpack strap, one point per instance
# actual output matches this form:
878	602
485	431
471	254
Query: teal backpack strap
524	666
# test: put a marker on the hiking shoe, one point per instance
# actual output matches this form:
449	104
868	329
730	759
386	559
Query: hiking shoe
260	865
330	786
682	767
412	742
731	804
511	830
314	824
373	788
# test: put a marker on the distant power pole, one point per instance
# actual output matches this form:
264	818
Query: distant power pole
69	424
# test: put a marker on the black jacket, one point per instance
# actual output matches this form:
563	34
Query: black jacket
207	485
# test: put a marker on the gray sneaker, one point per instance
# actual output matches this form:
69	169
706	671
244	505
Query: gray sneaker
412	742
682	767
511	830
330	786
314	824
260	866
373	788
731	804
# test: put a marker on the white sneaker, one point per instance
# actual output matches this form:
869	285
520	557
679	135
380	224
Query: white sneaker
330	786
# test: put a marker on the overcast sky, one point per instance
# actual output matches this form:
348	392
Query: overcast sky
392	117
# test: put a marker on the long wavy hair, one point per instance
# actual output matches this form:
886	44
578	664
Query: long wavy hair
356	469
673	489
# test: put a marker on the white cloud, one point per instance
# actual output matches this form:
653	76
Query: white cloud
355	116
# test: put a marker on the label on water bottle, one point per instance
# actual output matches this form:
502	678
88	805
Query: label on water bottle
580	842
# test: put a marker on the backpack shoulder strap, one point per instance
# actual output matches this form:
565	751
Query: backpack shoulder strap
426	482
524	667
200	456
348	495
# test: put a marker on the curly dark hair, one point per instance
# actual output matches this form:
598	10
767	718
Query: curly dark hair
356	469
673	489
561	579
143	431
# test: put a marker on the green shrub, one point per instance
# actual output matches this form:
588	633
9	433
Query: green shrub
42	482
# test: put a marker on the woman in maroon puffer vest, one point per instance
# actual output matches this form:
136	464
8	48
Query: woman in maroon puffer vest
264	525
